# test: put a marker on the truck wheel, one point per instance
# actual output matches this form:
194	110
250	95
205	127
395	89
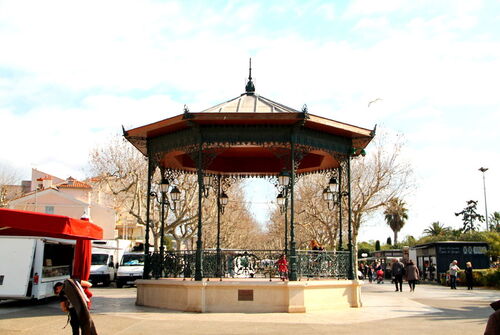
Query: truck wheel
105	282
119	283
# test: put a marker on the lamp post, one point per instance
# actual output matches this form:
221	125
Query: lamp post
282	200
483	170
222	200
207	183
333	197
171	204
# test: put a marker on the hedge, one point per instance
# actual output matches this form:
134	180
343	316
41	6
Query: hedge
481	277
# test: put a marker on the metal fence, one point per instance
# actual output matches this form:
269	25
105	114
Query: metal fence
249	264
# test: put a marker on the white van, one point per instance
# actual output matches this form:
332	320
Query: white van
105	257
131	268
30	266
103	268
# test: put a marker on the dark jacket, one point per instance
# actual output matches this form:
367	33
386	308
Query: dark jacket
397	269
468	272
493	325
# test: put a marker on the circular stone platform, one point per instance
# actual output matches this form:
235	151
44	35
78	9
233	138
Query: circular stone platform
248	295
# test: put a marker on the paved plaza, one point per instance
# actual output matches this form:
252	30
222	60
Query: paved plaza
431	309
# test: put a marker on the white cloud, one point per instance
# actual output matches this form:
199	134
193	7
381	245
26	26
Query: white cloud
370	24
369	7
121	62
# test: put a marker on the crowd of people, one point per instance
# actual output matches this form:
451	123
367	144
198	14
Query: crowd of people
410	272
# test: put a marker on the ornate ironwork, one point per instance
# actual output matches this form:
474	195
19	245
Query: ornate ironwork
236	263
323	264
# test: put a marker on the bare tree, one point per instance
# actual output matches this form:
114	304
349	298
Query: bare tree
120	172
380	176
8	188
238	228
375	179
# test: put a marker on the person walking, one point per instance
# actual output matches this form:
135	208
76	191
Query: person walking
412	275
468	275
397	270
369	273
282	267
453	274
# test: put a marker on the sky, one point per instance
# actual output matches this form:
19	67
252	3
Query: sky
73	72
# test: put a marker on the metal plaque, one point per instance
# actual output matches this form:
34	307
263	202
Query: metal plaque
245	295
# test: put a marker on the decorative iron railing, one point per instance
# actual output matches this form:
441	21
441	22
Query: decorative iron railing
249	264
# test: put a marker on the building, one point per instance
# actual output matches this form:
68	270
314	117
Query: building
126	227
68	197
437	256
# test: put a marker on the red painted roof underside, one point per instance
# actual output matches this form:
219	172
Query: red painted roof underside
251	159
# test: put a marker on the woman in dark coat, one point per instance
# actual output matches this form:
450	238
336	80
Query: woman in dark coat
468	275
412	275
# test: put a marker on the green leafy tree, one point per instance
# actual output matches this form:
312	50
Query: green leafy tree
365	247
409	241
493	239
396	215
470	216
495	222
377	245
389	241
436	229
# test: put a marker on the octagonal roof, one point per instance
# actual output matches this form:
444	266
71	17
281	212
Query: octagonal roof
250	103
251	110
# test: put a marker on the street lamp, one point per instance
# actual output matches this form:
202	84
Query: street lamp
207	183
224	199
171	204
284	179
282	200
175	195
329	197
333	185
483	170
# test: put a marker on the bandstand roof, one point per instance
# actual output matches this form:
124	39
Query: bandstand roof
245	123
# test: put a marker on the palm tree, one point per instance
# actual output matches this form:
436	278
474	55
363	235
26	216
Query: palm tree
395	215
436	229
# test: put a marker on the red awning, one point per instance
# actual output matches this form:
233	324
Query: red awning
24	223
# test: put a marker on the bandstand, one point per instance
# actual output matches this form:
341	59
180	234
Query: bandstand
251	136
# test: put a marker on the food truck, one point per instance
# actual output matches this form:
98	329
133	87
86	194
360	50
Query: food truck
41	249
32	265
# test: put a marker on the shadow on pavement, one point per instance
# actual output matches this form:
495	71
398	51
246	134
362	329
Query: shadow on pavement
15	309
475	312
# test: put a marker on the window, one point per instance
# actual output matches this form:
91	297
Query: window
49	209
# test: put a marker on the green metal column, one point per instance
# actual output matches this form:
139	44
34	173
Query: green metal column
219	270
162	233
286	221
349	231
198	272
340	247
147	260
293	252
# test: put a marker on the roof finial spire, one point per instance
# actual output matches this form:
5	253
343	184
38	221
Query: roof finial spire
250	70
250	87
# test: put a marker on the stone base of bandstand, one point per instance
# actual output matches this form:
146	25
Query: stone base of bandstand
248	295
